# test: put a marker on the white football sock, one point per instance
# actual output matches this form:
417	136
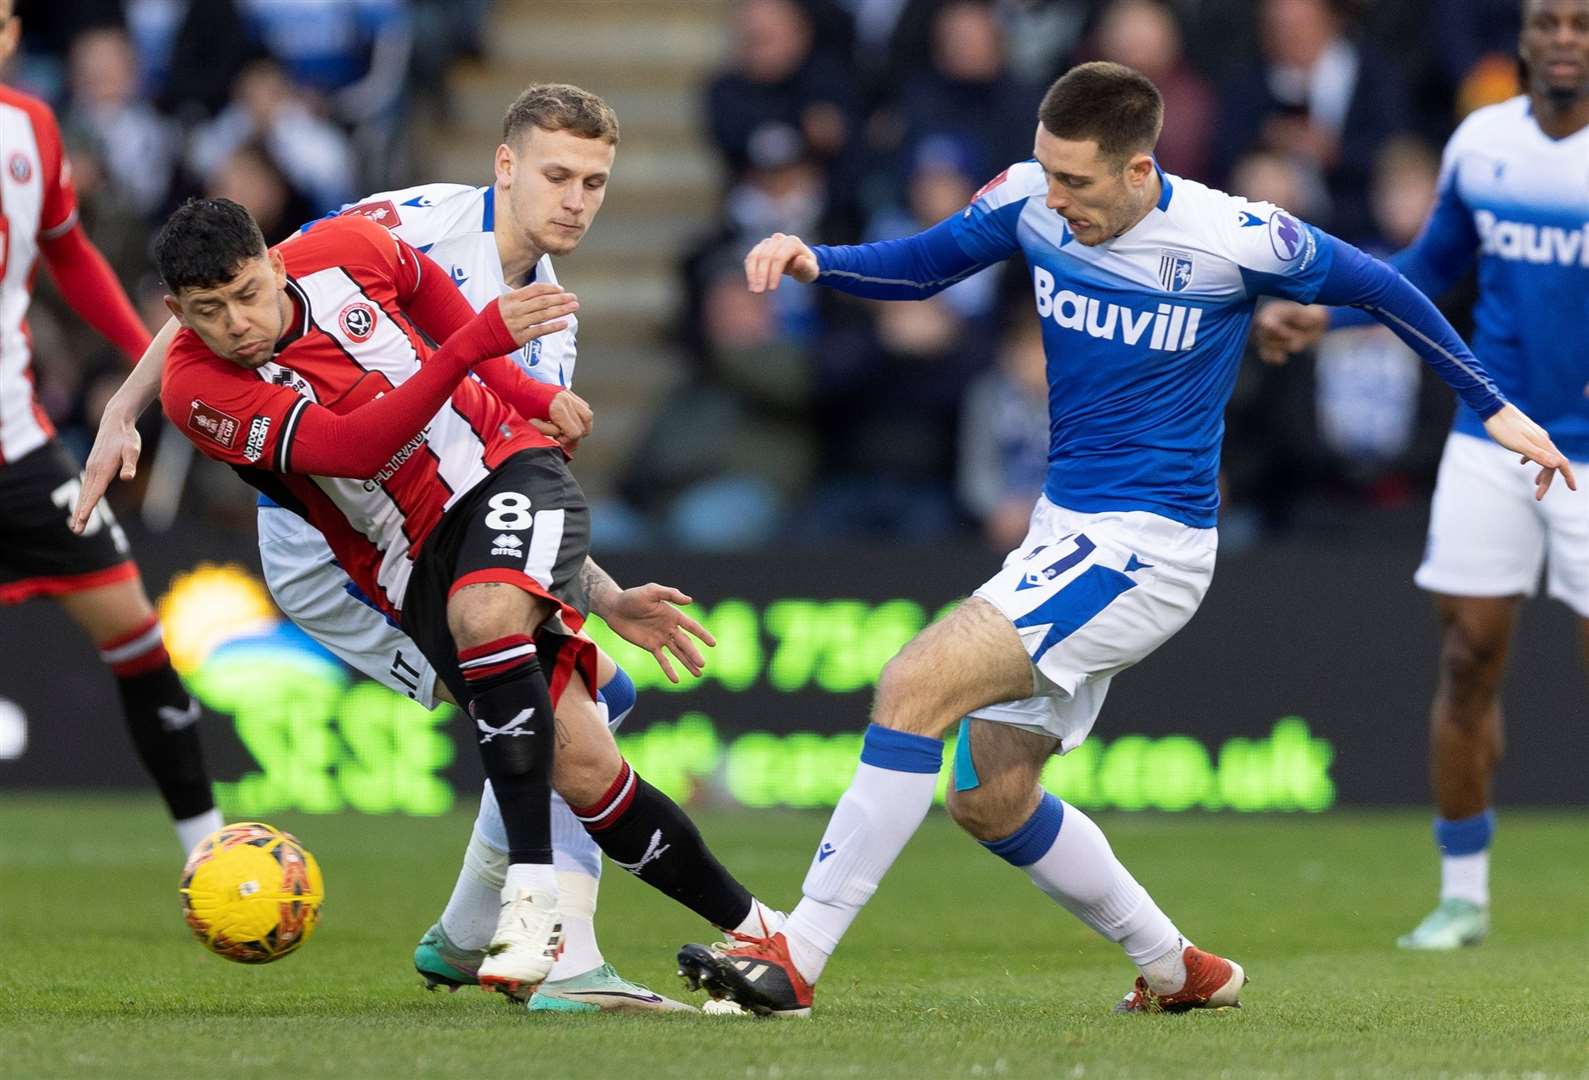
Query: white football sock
576	902
529	877
470	918
877	815
1466	877
1080	871
573	849
191	830
761	920
488	823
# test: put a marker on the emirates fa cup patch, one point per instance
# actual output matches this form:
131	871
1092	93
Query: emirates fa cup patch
212	423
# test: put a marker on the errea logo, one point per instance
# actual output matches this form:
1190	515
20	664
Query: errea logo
1167	328
507	544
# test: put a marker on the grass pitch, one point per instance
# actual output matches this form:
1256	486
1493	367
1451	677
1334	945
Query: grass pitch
958	968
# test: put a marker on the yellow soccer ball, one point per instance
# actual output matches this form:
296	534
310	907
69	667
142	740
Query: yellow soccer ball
251	893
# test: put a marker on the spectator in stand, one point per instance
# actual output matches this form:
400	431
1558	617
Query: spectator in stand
967	91
888	385
1145	34
250	177
354	53
775	80
139	147
189	53
1319	97
944	175
1366	381
48	30
731	448
1003	454
1477	42
313	153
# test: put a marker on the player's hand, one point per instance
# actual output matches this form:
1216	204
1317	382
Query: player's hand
570	420
645	616
776	256
537	310
117	445
1284	327
1512	428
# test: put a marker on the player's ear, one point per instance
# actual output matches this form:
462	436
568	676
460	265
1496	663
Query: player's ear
505	165
1139	168
279	267
173	306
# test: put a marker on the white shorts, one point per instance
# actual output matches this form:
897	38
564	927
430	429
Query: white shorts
312	590
1489	537
1091	595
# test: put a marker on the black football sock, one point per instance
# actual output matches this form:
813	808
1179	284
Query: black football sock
162	719
644	832
512	712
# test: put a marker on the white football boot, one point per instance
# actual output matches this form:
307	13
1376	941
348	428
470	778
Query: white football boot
528	940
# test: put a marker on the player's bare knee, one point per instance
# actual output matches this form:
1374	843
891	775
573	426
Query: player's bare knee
993	812
477	614
1472	661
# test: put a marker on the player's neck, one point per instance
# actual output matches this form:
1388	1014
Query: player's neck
514	248
1559	119
1150	199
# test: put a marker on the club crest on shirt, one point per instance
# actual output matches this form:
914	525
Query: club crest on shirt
358	321
212	423
1175	270
21	168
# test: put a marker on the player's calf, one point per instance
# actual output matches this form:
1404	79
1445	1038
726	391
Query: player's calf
163	721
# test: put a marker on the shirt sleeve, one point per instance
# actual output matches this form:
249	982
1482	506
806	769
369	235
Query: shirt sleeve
59	212
1278	254
923	265
231	415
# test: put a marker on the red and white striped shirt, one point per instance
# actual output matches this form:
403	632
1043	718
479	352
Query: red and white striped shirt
352	341
37	201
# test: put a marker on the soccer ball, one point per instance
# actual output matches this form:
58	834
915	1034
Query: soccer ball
251	893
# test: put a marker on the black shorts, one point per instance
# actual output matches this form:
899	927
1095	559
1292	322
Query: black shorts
39	554
526	525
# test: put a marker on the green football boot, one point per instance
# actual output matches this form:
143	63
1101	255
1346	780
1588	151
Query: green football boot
441	963
601	989
1452	925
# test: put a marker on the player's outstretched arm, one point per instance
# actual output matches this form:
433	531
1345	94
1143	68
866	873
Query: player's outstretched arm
645	616
912	268
1365	282
117	443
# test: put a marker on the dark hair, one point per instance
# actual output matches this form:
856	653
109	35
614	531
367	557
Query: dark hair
1115	106
205	243
560	107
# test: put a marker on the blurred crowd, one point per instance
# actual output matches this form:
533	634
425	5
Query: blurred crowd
858	120
290	107
806	416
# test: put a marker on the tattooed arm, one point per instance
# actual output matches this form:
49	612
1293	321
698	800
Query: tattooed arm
645	616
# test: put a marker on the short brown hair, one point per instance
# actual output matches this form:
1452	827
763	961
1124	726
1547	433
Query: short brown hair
1115	106
560	107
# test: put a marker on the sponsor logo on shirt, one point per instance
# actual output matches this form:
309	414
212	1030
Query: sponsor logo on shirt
383	212
254	448
1522	241
358	321
1167	328
21	168
212	423
507	544
396	461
